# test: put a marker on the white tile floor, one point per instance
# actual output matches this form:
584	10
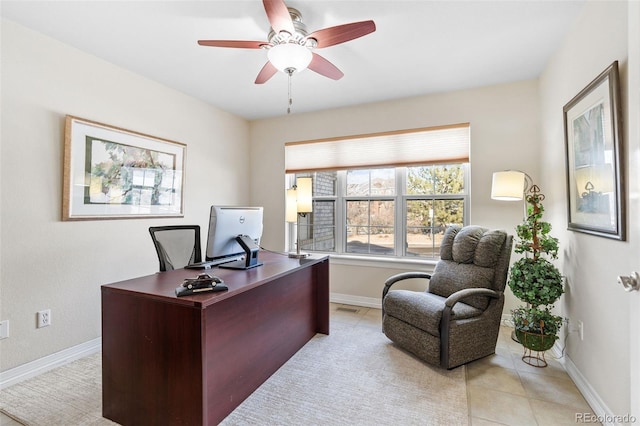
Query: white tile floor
501	389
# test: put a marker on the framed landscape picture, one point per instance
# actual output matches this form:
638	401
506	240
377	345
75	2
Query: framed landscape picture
112	173
595	181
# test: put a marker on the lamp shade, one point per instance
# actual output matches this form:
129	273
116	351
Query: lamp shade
304	195
508	186
291	208
289	55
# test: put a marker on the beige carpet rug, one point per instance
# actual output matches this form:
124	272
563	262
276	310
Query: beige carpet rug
355	376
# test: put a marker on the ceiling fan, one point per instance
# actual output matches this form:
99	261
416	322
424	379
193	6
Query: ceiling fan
290	47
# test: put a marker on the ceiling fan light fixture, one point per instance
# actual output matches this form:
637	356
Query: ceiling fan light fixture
289	56
289	46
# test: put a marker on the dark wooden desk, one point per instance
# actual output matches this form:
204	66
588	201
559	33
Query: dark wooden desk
192	360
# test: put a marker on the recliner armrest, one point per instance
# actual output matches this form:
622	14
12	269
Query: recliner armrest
468	292
447	314
402	276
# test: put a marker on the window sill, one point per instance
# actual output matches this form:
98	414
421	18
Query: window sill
382	262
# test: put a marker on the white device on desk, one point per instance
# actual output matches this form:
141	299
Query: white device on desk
233	239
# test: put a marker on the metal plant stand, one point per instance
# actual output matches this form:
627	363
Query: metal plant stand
538	360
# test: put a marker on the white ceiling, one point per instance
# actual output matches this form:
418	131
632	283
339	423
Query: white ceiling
419	47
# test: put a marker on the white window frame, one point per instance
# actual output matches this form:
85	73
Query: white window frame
400	198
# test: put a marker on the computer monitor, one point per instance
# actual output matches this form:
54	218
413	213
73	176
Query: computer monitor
233	231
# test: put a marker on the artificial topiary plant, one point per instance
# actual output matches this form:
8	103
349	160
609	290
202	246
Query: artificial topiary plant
534	279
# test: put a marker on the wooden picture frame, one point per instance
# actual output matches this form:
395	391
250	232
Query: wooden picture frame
113	173
594	166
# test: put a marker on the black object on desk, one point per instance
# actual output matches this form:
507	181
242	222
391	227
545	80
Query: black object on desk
201	284
251	250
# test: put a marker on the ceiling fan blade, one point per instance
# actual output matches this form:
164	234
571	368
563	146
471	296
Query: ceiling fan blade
266	73
278	16
233	43
341	33
324	67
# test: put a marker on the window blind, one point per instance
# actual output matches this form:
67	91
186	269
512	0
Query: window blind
433	145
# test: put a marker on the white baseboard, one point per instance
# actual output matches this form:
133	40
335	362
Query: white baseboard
506	320
347	299
49	362
596	403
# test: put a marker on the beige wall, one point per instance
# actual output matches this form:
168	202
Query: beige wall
504	135
591	264
50	264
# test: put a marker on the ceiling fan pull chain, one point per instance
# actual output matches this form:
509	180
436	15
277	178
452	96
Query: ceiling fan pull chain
290	73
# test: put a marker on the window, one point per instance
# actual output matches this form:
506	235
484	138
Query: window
368	203
370	211
436	197
399	210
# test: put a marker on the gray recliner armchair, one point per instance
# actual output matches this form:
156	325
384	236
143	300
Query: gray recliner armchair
457	319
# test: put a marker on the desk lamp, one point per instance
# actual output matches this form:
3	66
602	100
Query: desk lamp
299	203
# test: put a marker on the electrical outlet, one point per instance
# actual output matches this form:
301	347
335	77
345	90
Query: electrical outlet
44	318
581	330
4	329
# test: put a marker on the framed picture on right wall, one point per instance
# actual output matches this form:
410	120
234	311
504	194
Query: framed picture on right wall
593	139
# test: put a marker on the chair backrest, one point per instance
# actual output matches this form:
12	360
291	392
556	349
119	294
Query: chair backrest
177	246
471	257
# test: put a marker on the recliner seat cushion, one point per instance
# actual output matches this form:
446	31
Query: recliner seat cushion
423	310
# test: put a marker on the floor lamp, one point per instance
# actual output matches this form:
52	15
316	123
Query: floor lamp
511	185
299	203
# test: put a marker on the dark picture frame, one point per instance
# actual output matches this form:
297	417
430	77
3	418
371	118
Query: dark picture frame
113	173
594	166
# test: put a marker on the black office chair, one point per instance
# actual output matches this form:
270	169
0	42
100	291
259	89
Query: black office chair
177	245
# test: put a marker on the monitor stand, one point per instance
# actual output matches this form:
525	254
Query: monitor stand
251	250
